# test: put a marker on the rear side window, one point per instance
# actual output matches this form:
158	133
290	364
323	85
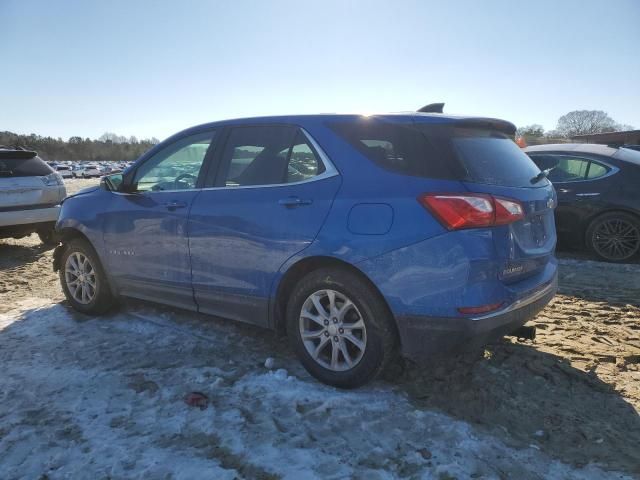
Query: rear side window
23	167
396	147
303	162
441	151
572	169
596	170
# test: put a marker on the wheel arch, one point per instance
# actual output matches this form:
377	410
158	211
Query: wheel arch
301	268
66	234
589	220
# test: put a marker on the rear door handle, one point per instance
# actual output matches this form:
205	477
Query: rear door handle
173	205
292	202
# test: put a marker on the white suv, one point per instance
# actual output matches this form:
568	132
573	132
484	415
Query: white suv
30	195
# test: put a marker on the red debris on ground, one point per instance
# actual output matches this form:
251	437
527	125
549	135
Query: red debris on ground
197	399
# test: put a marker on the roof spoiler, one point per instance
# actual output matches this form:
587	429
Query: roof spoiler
16	153
432	108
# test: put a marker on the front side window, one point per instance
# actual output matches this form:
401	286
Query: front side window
269	155
175	167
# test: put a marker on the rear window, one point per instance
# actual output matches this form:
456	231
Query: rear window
440	151
628	155
23	167
493	158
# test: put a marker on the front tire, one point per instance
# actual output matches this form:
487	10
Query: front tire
340	327
614	237
83	280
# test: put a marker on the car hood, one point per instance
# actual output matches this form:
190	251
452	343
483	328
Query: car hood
84	191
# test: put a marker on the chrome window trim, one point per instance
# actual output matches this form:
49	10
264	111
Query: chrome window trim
329	171
612	168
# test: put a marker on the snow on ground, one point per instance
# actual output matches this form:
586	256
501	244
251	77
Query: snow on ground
85	397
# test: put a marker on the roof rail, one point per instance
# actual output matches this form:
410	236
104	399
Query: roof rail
432	108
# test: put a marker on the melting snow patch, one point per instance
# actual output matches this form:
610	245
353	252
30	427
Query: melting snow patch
105	397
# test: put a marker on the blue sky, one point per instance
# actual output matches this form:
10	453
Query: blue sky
151	68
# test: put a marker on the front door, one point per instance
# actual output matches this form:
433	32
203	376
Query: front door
271	197
145	232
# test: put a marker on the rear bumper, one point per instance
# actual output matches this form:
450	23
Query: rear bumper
423	338
26	217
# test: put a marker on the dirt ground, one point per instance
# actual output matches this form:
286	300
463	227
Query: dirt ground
573	394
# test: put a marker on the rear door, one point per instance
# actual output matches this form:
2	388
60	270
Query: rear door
272	193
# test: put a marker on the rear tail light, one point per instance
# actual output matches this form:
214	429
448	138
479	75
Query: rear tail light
507	211
473	210
52	179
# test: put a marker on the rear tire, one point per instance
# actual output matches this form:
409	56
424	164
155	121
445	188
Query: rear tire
349	334
614	237
83	280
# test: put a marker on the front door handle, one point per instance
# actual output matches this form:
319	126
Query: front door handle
292	202
173	205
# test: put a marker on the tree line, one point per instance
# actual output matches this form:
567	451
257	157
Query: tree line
109	147
112	147
577	122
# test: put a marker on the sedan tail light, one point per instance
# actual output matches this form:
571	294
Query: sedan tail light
471	210
52	179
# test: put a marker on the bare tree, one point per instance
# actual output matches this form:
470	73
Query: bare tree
580	122
534	130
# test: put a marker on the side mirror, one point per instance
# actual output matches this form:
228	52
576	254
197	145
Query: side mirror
127	183
113	183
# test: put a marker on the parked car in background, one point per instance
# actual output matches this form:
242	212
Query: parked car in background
30	195
357	236
598	196
64	171
88	171
76	168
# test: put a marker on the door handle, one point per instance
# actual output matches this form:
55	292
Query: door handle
173	205
292	202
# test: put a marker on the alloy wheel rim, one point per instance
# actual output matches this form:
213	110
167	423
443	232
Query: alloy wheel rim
80	277
332	330
616	239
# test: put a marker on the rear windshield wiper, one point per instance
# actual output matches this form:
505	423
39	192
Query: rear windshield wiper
541	175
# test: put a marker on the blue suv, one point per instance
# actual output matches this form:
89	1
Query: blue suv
356	236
